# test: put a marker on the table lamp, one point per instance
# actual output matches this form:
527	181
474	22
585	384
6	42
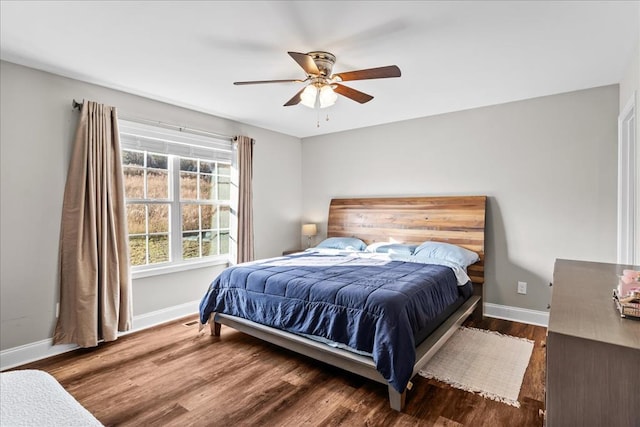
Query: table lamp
309	230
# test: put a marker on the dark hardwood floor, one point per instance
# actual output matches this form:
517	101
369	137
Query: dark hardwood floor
171	375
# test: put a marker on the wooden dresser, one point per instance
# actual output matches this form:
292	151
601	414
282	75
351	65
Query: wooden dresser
593	355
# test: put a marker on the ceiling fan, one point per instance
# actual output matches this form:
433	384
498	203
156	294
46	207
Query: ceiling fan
323	87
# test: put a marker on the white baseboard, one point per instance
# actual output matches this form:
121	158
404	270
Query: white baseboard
28	353
516	314
165	315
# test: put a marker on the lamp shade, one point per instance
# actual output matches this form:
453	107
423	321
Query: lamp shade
327	96
309	230
308	96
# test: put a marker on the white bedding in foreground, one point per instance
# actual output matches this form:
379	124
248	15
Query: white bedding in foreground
35	398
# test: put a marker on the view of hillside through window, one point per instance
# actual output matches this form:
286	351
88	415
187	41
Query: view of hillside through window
194	214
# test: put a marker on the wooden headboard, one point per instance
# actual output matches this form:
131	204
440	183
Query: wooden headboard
456	219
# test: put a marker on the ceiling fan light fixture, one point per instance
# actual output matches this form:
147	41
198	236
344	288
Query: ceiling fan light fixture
327	96
308	96
323	87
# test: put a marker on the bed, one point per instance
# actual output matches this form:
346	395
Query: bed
381	316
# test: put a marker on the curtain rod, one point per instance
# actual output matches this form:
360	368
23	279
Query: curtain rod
78	106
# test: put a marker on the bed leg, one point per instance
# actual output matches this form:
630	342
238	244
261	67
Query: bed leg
396	399
215	326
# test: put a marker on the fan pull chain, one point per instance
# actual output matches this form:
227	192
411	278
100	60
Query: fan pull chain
318	119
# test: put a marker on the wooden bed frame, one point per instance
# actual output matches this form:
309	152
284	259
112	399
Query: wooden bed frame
457	219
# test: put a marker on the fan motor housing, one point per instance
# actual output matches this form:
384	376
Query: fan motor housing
324	61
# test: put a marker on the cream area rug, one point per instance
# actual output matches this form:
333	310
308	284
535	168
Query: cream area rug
484	362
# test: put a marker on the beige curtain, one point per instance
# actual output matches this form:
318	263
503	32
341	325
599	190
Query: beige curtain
95	286
245	199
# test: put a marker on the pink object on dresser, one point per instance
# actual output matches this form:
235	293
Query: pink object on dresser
628	281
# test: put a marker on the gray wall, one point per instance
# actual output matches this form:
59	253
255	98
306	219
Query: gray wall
548	165
37	125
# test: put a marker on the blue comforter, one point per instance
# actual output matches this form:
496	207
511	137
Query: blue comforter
370	304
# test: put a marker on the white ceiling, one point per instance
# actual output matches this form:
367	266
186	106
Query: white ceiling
453	55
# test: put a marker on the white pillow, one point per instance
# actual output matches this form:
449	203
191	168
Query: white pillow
446	251
387	247
344	243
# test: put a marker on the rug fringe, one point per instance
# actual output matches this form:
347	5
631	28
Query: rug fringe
497	333
466	388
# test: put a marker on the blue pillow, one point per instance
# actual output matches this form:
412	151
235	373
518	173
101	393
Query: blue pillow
391	248
446	251
345	243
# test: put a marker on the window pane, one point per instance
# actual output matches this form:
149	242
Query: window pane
224	216
136	218
157	184
158	218
135	158
157	161
224	188
224	242
138	250
190	245
208	221
190	218
224	169
158	248
190	165
207	189
188	186
209	243
133	183
207	167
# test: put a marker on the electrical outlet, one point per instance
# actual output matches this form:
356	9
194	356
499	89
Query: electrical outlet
57	310
522	288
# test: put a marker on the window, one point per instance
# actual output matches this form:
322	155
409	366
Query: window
204	203
178	191
146	177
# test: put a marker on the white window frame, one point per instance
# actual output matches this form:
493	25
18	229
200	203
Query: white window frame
177	144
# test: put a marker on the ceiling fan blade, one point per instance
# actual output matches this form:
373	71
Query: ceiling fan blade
306	62
356	95
370	73
256	82
296	98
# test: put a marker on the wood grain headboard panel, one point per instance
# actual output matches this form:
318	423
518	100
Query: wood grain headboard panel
458	220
